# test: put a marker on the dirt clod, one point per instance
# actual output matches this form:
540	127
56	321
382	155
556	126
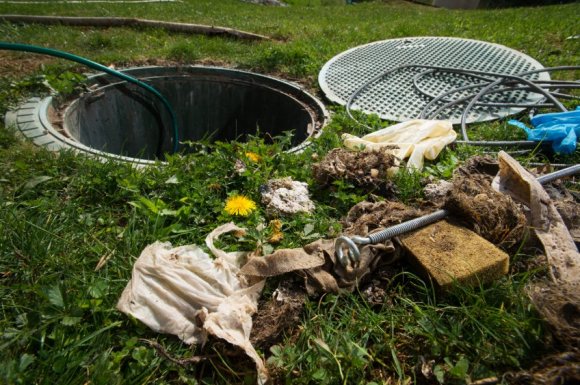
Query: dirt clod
365	169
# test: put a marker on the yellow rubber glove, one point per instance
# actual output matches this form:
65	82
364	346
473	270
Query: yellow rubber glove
416	139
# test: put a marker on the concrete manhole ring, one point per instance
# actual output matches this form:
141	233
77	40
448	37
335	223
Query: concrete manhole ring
118	120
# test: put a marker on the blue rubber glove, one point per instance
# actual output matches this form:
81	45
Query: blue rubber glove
560	128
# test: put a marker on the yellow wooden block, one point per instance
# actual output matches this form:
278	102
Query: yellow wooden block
448	253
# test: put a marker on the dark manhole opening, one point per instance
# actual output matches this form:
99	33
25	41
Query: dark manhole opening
120	120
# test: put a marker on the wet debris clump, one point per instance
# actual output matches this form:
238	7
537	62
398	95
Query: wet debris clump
559	305
366	217
491	214
554	369
568	206
365	169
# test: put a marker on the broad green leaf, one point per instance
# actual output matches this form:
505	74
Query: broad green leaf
55	296
26	360
439	374
460	369
308	228
172	180
98	289
33	182
70	321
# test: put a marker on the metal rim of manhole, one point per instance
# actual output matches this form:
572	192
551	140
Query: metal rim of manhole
397	97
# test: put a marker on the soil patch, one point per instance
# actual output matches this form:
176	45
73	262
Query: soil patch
279	316
19	64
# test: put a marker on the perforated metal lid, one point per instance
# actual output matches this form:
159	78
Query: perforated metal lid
398	97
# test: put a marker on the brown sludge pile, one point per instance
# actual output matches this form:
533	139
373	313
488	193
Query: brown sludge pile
365	169
491	214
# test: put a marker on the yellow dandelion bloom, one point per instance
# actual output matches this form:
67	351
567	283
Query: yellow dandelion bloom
239	205
253	157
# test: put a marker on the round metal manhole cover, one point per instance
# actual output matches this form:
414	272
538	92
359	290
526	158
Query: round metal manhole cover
403	94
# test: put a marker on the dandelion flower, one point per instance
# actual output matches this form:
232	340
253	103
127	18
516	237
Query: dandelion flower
253	157
240	205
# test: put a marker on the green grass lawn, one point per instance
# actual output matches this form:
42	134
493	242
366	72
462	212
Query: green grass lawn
61	214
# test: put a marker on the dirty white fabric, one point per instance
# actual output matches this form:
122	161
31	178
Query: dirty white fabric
185	292
546	222
286	196
416	139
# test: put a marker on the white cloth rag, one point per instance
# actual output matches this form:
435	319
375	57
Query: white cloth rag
185	292
416	139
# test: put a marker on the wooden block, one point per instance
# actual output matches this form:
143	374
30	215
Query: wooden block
448	253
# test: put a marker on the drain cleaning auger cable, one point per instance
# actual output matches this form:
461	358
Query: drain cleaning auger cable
100	67
414	224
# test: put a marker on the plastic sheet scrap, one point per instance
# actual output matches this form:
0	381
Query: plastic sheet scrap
562	129
185	292
415	139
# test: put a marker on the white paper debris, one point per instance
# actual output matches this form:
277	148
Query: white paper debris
286	196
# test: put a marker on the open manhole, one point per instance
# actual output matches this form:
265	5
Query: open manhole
116	119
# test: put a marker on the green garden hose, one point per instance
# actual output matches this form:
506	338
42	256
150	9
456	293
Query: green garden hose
100	67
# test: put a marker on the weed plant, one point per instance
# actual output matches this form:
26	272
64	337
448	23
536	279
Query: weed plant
71	227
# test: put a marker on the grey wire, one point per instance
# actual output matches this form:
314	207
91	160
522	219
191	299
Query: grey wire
426	114
547	178
474	99
550	83
469	106
441	98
